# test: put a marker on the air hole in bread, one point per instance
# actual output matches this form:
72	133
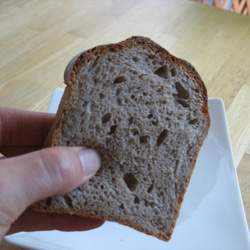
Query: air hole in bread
153	119
159	90
135	59
119	101
112	49
97	128
173	72
162	137
130	181
144	139
141	77
131	141
85	104
48	202
101	95
192	122
118	91
149	167
136	200
130	120
151	56
156	212
121	206
152	204
183	103
135	131
162	72
151	187
146	203
120	79
68	201
181	91
190	149
106	118
155	122
162	194
112	129
126	100
177	163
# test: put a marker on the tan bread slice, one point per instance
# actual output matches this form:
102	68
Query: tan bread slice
146	112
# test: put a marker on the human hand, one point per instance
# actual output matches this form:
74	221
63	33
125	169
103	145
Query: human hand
29	173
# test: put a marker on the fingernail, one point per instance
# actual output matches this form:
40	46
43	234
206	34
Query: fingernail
90	160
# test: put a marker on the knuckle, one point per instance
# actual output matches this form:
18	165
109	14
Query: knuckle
60	165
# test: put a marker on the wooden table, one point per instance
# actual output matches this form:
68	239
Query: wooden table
38	38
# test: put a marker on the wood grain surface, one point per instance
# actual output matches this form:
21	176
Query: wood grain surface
38	38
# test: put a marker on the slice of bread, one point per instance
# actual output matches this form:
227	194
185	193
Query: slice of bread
146	113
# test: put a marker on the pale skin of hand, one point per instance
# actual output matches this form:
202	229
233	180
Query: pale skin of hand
29	174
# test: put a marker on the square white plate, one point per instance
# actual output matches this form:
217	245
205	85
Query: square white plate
212	214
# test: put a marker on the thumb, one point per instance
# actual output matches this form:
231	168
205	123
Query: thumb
28	178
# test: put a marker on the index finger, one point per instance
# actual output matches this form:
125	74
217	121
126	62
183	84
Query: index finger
23	128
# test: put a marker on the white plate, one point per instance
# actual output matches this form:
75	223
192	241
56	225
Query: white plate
212	214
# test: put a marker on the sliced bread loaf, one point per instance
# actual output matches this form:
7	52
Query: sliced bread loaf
146	112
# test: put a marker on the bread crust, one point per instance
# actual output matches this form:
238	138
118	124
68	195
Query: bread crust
71	72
